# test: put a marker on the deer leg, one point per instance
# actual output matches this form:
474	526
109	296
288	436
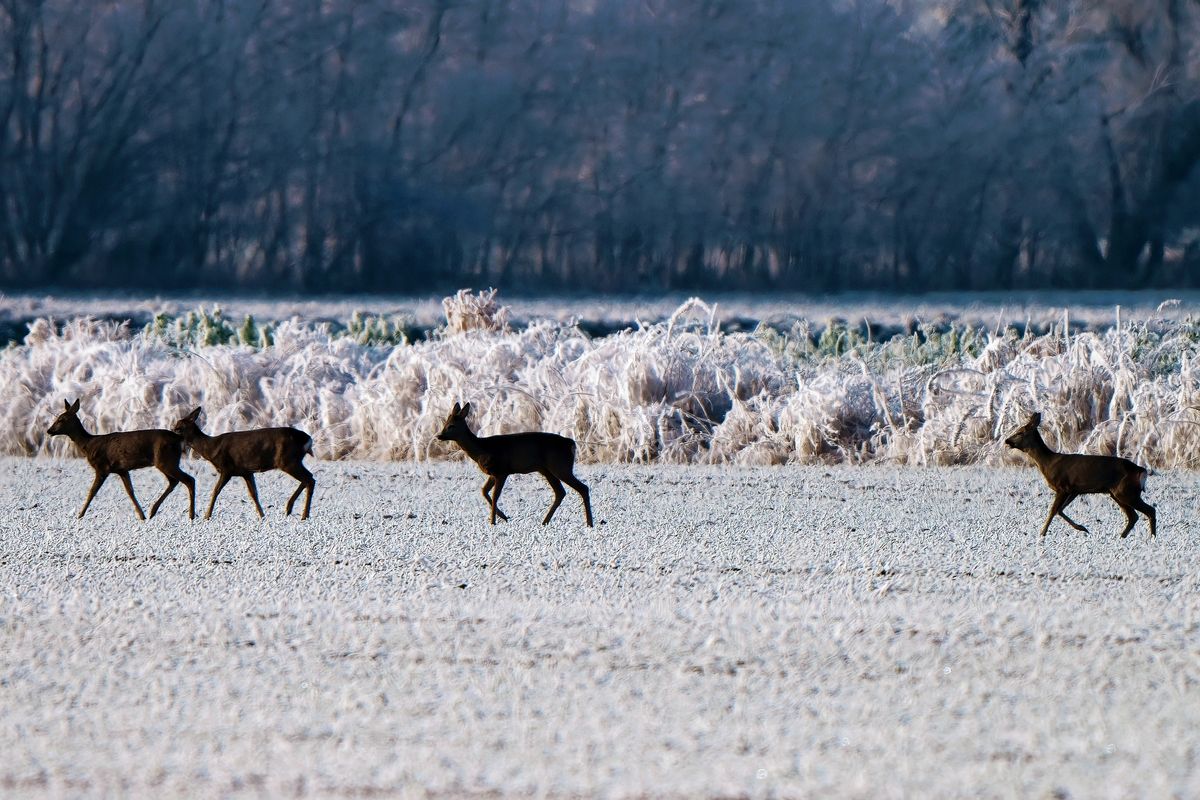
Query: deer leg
1062	512
1130	501
312	484
190	483
1055	507
559	494
487	488
500	479
221	481
97	482
253	490
582	488
1147	509
306	482
176	476
1130	515
172	482
129	490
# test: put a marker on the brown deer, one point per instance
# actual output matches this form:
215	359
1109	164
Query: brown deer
1071	475
549	454
242	453
120	453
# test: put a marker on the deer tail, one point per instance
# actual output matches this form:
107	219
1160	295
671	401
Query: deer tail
308	446
1142	478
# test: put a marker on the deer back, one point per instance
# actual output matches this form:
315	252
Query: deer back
255	451
128	450
1088	474
525	452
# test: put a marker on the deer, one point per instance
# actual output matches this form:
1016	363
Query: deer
550	455
1071	475
122	452
240	454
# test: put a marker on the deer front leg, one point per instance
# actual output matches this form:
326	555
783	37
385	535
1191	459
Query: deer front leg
253	490
221	481
1055	507
129	490
487	489
496	495
97	482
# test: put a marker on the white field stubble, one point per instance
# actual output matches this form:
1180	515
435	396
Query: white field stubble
724	631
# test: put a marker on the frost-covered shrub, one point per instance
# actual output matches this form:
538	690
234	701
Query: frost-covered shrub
677	391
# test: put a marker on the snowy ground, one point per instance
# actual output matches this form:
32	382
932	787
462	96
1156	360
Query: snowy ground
758	632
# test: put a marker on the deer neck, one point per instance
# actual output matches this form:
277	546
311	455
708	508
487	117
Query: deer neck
200	442
1041	453
80	436
472	445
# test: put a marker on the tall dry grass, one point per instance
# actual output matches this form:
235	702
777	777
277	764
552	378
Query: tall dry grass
678	391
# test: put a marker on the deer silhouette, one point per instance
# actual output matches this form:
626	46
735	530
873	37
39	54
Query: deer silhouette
550	455
243	453
120	453
1071	475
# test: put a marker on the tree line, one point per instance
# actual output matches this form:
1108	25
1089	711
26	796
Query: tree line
414	145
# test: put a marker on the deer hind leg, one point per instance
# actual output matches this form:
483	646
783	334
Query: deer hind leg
172	482
1062	512
581	487
190	483
499	487
1147	509
1130	514
176	476
307	482
1130	498
253	490
487	489
129	490
212	503
559	493
97	482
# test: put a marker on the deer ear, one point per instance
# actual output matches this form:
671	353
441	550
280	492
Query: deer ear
72	407
1036	419
195	415
456	410
465	410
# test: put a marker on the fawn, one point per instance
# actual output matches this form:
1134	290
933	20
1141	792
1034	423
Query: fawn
119	453
243	453
518	453
1071	475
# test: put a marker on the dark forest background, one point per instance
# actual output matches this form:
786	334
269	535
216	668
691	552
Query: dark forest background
410	145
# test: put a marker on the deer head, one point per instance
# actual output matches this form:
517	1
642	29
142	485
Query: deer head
66	422
1027	435
188	426
455	426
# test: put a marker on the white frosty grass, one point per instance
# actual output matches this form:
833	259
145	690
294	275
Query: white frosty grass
750	632
678	391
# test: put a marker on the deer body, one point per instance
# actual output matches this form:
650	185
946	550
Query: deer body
121	453
1071	475
550	455
242	453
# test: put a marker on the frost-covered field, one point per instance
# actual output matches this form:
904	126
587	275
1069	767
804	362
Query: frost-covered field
779	631
1091	309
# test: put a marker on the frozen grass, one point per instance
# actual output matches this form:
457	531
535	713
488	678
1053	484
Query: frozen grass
750	632
676	391
1094	310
